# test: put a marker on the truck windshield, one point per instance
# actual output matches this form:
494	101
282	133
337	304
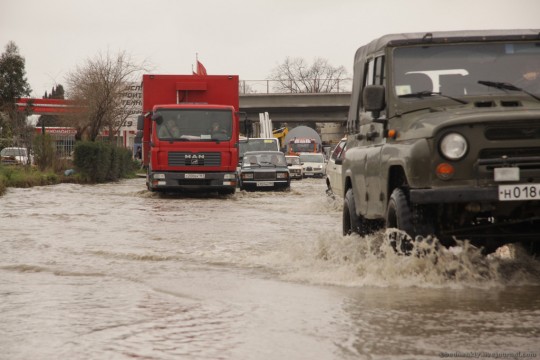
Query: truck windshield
459	70
258	144
303	146
194	125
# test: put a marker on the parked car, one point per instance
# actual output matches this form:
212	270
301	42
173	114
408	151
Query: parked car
314	164
295	166
15	156
333	169
264	170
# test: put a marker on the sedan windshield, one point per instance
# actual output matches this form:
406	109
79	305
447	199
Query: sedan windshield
13	152
313	158
264	159
293	161
466	69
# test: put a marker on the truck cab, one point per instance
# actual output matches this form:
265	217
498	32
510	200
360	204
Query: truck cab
190	132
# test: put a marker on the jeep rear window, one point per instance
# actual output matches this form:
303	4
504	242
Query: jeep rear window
455	69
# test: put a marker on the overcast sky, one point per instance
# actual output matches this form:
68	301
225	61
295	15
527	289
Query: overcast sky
244	37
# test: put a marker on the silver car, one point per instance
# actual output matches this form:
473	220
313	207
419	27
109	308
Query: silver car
333	169
295	167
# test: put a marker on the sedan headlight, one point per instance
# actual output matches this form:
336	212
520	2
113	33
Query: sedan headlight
453	146
282	175
247	176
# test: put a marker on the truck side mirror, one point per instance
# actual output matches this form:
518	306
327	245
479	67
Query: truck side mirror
140	122
373	99
158	118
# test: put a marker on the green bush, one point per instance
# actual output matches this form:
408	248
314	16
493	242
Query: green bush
101	162
43	147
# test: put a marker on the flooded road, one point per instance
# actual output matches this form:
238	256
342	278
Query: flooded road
114	272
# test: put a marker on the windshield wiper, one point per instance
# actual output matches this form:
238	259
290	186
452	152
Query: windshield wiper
506	86
426	93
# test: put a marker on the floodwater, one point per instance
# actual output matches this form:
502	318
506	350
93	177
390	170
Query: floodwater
115	272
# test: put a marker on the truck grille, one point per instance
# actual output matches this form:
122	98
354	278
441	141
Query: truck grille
516	152
266	175
194	159
516	132
525	158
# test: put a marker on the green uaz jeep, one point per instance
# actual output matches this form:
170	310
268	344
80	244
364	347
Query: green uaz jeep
444	137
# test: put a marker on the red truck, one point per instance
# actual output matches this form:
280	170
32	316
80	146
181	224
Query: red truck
190	132
298	145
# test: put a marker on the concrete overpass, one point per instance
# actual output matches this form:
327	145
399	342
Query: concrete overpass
286	107
298	108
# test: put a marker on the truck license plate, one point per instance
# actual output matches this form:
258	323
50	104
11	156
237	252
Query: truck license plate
265	183
519	192
194	176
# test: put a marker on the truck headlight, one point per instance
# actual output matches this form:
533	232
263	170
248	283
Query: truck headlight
159	176
453	146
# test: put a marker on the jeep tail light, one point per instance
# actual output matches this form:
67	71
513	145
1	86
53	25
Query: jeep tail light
445	171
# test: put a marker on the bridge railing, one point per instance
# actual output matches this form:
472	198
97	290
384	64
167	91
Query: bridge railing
280	87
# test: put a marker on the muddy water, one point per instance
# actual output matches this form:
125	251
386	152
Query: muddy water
114	272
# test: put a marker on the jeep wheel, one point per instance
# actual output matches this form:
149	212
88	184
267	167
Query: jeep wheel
399	216
353	223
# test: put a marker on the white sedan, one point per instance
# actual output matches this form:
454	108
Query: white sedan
15	155
314	164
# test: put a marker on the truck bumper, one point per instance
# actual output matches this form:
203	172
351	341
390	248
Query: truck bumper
163	180
453	195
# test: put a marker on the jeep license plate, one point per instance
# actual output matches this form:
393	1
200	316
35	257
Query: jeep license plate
194	176
265	183
506	174
519	192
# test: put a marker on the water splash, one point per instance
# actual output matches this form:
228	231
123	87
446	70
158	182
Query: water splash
371	261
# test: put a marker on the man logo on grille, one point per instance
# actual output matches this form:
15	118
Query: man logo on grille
193	159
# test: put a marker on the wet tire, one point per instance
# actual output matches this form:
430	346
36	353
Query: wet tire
532	248
350	220
353	223
399	216
149	180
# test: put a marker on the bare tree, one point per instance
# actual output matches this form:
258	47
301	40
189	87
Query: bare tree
98	87
295	75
